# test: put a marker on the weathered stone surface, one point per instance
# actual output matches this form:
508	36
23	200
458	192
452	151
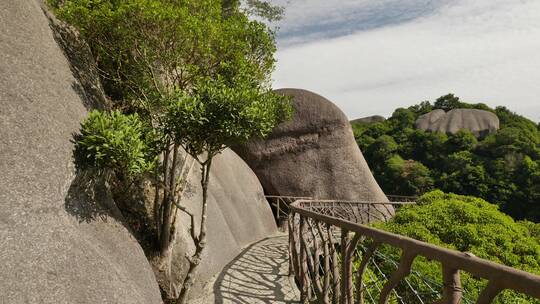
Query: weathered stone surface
313	155
481	123
61	240
81	62
369	119
427	120
238	215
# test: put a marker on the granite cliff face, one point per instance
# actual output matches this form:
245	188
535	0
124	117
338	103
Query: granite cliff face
62	239
481	123
312	155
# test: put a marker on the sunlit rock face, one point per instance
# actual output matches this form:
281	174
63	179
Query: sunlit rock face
238	215
481	123
314	154
62	239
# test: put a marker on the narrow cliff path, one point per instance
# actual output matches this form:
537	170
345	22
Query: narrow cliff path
258	275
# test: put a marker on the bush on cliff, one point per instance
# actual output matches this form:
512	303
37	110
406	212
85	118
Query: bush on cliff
467	224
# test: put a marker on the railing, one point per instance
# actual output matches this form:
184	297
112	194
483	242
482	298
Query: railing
357	211
332	257
280	208
402	198
365	211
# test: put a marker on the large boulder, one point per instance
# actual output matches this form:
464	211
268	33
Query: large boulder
481	123
369	119
238	215
62	239
314	154
426	121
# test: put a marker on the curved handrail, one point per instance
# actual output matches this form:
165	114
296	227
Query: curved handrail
500	277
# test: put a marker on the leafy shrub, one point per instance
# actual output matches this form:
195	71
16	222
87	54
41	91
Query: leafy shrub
116	142
215	116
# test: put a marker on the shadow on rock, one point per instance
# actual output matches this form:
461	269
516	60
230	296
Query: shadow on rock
82	64
88	199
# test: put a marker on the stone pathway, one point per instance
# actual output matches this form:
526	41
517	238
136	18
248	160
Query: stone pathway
258	275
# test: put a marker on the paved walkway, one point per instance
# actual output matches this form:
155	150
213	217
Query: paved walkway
258	275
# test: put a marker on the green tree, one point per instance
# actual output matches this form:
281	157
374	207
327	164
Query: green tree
265	10
463	140
365	135
383	148
147	49
464	175
426	147
527	176
402	118
423	107
406	177
448	102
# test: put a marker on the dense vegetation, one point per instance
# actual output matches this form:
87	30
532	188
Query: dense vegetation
185	76
467	224
502	168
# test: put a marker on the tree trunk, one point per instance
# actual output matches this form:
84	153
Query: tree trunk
200	242
157	205
168	202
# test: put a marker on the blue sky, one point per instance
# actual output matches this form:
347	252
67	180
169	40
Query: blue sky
372	56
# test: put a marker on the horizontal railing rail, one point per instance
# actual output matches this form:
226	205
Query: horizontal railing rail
329	268
280	205
355	211
366	210
402	198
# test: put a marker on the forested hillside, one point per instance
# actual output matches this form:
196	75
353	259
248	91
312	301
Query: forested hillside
502	168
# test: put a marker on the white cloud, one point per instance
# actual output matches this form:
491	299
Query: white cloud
481	50
309	20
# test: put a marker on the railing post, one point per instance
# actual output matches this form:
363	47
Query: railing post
304	278
489	293
335	266
351	246
278	212
315	262
451	286
362	269
403	270
345	266
292	259
326	254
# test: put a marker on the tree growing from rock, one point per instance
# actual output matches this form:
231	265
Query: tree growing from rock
210	119
191	74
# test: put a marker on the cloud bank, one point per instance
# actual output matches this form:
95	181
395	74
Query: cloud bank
372	56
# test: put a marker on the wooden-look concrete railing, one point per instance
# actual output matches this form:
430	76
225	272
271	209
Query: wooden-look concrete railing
280	207
323	241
